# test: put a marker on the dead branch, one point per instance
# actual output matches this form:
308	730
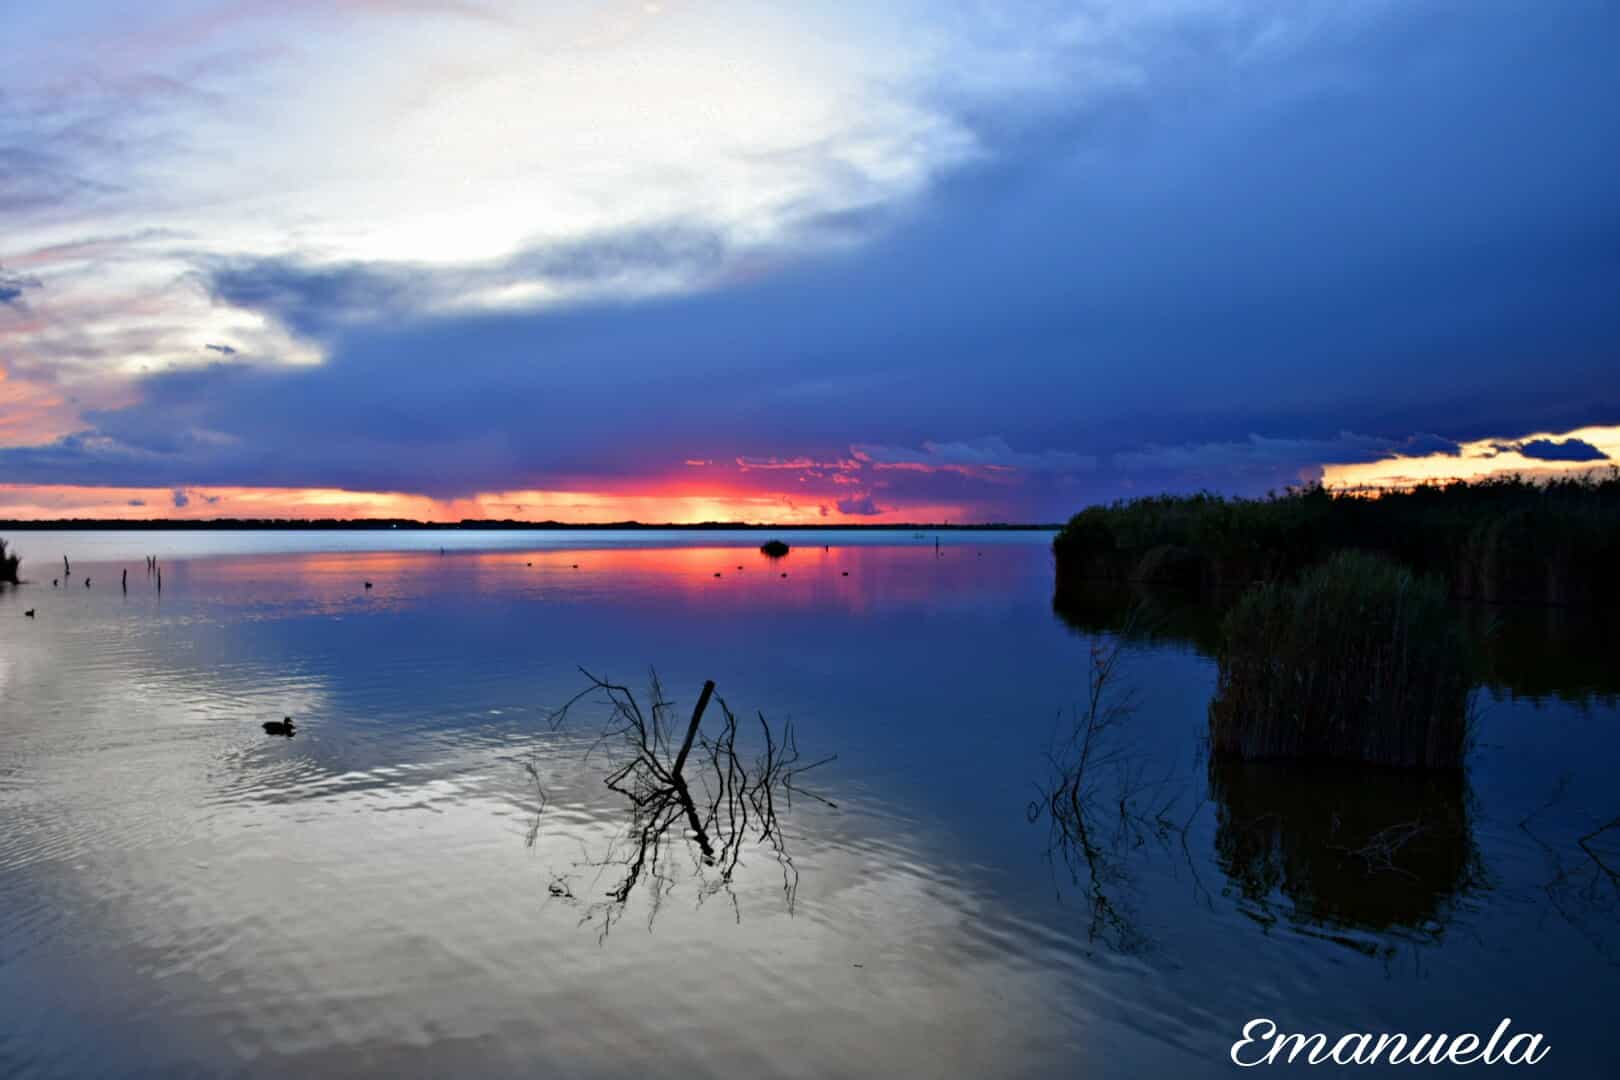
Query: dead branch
724	802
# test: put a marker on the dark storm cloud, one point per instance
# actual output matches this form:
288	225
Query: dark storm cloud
1204	279
319	300
988	454
1561	450
861	505
1268	454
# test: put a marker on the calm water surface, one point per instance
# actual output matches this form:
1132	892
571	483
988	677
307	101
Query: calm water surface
182	894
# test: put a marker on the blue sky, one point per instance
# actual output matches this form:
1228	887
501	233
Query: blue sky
796	262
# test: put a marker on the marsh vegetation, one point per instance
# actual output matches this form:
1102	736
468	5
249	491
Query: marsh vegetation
1497	540
1360	660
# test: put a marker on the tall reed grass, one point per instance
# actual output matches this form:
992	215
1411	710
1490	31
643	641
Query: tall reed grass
9	561
1360	660
1503	539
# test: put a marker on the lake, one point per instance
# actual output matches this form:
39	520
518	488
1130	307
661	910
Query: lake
418	882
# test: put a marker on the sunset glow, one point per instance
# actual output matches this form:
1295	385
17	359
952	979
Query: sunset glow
860	263
36	502
1587	451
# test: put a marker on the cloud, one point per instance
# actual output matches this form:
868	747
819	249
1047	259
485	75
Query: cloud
863	505
1557	450
1260	452
972	457
317	300
182	497
12	286
1168	227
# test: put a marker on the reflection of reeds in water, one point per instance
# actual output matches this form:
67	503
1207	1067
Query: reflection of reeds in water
1101	805
1531	651
1345	850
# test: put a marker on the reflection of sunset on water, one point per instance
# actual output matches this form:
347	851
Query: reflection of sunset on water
851	578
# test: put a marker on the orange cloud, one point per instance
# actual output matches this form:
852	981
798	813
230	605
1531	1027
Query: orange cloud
1480	459
45	501
32	413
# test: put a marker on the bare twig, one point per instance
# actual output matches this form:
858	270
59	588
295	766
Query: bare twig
725	803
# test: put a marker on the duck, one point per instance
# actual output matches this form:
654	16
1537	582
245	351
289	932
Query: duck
368	584
87	583
284	726
29	614
53	583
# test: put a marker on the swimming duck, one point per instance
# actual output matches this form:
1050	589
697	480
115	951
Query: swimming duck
29	614
368	584
284	726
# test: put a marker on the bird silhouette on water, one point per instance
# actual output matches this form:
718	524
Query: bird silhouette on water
368	584
284	726
29	614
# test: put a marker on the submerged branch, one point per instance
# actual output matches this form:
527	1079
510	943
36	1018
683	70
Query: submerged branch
723	802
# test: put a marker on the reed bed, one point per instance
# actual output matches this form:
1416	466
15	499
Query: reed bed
1499	540
9	562
1360	660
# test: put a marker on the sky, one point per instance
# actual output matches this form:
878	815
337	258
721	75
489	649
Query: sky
809	262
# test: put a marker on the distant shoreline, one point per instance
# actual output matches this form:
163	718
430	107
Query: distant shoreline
377	524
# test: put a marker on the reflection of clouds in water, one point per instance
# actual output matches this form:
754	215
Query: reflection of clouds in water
303	929
361	896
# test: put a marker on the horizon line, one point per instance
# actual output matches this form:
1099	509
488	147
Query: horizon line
116	524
